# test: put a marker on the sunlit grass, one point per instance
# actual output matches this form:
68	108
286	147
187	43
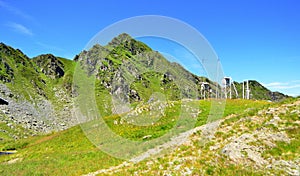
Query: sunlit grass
70	153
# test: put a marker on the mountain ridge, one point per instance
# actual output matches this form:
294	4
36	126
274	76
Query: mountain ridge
40	93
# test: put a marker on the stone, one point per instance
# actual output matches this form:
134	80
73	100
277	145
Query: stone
147	137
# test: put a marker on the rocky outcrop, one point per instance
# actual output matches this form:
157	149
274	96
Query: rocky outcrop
273	126
50	65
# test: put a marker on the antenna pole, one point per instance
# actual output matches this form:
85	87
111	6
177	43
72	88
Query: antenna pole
248	91
230	94
243	89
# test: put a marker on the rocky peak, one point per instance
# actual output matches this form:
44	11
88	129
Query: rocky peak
122	38
50	65
125	41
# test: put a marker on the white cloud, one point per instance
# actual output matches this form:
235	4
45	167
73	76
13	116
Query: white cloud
273	84
20	28
15	11
284	85
288	86
291	88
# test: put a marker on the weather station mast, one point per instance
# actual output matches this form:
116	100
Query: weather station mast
205	90
246	90
228	85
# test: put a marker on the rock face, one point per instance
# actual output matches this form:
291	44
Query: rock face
50	65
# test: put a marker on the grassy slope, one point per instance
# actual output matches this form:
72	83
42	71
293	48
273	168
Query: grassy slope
197	158
71	153
14	131
64	153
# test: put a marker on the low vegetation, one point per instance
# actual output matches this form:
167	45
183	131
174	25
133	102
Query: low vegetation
258	143
70	153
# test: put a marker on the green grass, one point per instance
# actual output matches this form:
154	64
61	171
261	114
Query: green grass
160	127
287	151
26	81
64	153
71	153
238	106
242	108
206	162
8	134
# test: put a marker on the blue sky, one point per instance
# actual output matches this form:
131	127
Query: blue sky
254	39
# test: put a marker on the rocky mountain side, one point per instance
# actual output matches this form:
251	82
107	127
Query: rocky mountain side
130	67
124	65
50	65
39	99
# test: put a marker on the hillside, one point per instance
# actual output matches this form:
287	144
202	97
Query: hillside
131	72
127	60
39	101
259	92
140	96
256	142
253	138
